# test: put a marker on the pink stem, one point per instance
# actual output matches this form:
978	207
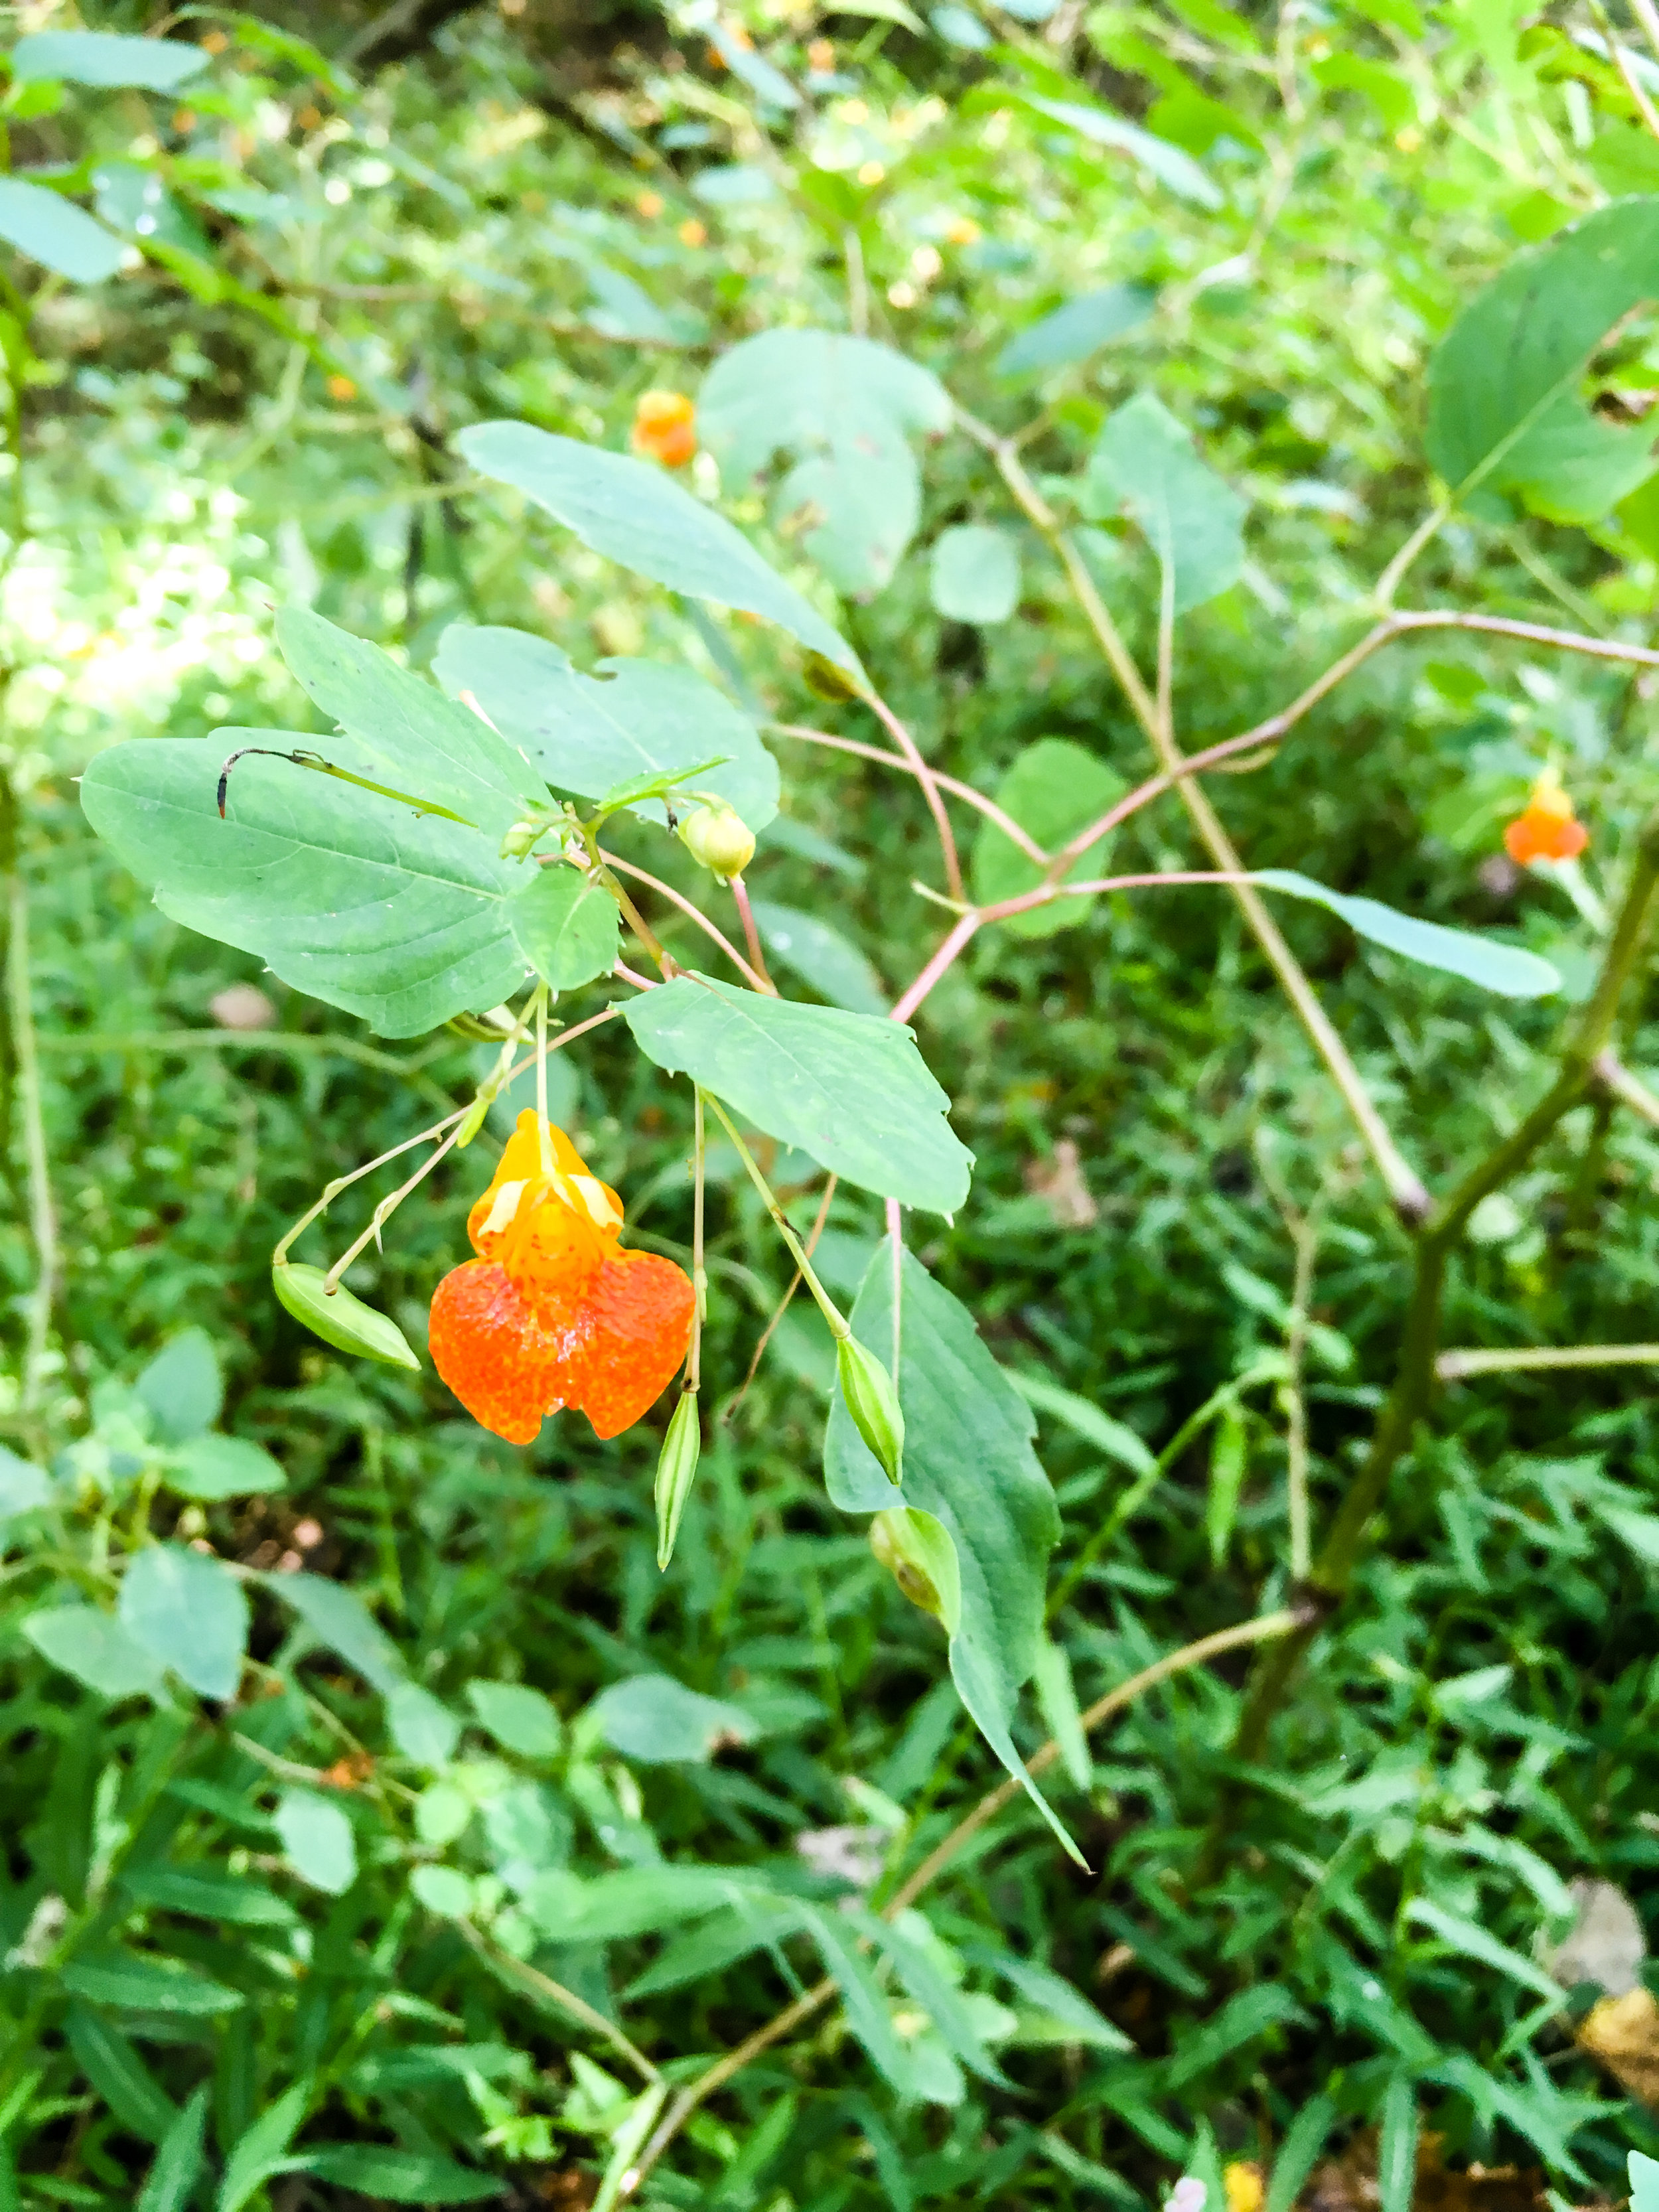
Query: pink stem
631	976
987	807
751	936
919	767
695	914
960	932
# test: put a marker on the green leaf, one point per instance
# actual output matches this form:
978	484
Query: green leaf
843	410
54	232
638	1901
397	918
23	1488
119	2075
1076	329
862	2000
135	1984
905	1942
656	1720
1061	1715
182	1386
132	199
105	60
338	1619
340	1318
587	733
566	927
521	1719
1054	790
1167	163
821	956
1304	2139
177	2167
1504	969
402	2177
261	2150
1143	465
1396	2149
974	576
317	1840
189	1611
403	730
731	1934
632	513
423	1728
851	1091
1118	1442
207	1894
1243	2020
97	1650
222	1466
1228	1459
1386	90
444	1890
968	1462
1504	409
1471	1940
1069	2011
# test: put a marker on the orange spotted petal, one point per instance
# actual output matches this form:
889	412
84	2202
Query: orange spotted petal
642	1306
486	1346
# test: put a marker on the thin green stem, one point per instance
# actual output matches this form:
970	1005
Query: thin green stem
839	1327
699	1271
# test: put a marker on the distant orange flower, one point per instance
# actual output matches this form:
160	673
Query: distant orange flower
1546	829
664	428
649	204
692	232
341	387
554	1312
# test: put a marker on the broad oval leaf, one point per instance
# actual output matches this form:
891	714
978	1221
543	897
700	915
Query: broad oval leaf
182	1386
587	733
1504	407
1072	331
398	918
566	927
975	573
1144	465
658	1721
341	1320
851	1092
820	956
843	410
1167	163
402	2177
24	1487
96	1649
216	1467
967	1461
106	59
318	1841
521	1719
57	233
1505	969
1054	790
633	513
190	1613
403	730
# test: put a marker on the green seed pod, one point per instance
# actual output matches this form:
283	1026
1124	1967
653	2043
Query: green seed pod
918	1553
676	1468
721	838
521	840
873	1402
475	1119
340	1320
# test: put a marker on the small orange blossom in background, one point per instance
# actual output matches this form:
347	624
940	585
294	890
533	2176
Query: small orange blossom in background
554	1312
1546	829
664	428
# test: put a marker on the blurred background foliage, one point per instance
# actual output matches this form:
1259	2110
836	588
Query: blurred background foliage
306	1918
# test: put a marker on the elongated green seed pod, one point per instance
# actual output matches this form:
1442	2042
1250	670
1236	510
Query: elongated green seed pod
677	1470
873	1402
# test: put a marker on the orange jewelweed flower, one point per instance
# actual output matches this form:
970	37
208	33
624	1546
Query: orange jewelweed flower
664	428
554	1312
1545	830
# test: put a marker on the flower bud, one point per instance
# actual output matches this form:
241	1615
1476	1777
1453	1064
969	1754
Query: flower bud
873	1402
676	1468
918	1553
520	839
721	838
474	1119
